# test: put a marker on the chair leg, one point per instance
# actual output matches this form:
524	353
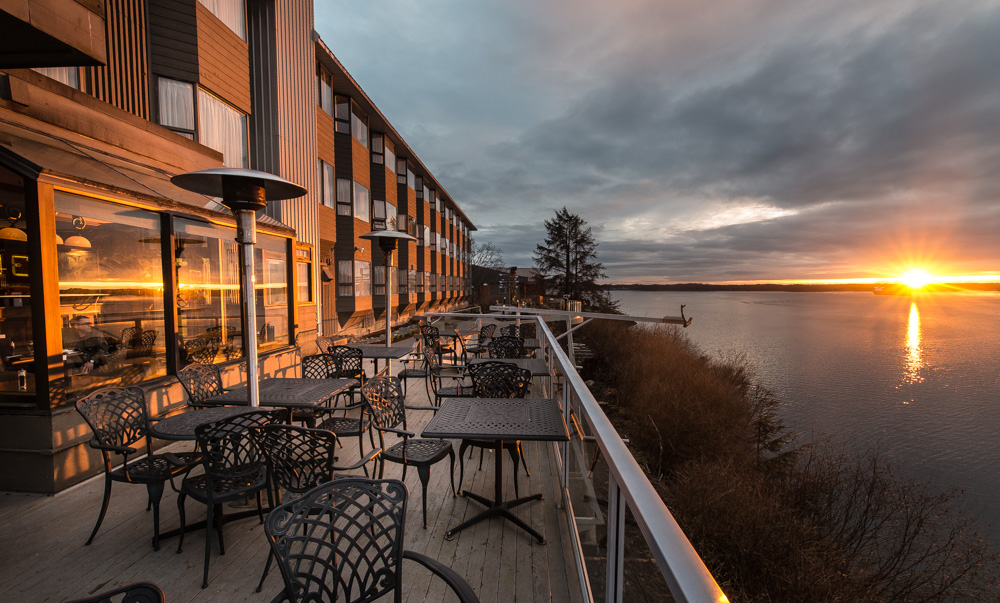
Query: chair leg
267	568
209	523
451	471
524	462
155	494
104	507
260	508
424	471
180	511
218	528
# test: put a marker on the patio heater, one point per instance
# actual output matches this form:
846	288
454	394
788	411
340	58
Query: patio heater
387	243
244	192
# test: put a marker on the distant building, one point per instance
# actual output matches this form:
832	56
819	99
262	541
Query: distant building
111	275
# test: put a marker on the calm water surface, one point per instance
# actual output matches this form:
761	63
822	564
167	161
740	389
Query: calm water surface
919	375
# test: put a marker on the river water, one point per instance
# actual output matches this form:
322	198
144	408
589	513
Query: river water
919	376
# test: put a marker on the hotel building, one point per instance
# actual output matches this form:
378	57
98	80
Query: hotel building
101	103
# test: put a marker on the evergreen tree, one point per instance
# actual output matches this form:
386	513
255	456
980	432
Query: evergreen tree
567	261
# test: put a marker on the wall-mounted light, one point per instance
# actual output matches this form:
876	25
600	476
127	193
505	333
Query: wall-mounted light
13	233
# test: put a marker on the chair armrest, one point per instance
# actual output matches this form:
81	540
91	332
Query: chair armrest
364	461
176	460
401	432
456	582
95	443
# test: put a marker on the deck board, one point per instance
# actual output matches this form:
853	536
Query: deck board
43	558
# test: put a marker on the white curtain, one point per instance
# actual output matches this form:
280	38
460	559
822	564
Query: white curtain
222	128
230	12
176	103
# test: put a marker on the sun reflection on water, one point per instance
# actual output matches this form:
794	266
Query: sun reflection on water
914	358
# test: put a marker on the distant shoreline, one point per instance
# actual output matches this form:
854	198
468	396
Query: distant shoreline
800	288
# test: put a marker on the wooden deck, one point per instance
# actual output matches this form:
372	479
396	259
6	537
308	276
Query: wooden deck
43	558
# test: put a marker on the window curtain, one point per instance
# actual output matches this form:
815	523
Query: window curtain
176	103
222	128
230	12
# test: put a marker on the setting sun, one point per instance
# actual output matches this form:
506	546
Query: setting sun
916	279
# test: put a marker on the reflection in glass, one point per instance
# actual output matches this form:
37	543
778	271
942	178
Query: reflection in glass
914	359
16	351
208	299
111	293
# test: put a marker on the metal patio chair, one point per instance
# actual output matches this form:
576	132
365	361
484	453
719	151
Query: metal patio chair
343	541
445	381
298	460
325	366
137	592
119	420
432	339
496	380
350	365
234	467
506	346
479	347
383	398
201	382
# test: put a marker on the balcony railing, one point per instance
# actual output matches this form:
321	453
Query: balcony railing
629	490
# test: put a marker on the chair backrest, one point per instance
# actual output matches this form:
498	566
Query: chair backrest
510	331
319	366
431	336
117	415
384	401
201	381
486	333
231	448
323	344
342	541
129	335
298	458
499	380
506	347
349	361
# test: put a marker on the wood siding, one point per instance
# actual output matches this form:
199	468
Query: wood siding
173	39
124	81
324	136
223	61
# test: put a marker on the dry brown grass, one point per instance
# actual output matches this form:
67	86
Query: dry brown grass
773	522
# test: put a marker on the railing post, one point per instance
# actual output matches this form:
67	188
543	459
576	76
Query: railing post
569	341
616	543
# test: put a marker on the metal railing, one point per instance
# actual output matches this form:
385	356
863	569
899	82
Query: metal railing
628	489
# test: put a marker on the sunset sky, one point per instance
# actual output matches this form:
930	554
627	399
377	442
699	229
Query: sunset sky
723	141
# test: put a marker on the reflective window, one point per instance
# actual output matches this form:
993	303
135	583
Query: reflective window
390	155
359	128
362	202
16	340
326	184
325	92
362	278
342	115
344	203
345	278
378	277
67	75
110	293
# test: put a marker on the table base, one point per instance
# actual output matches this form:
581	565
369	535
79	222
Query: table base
494	509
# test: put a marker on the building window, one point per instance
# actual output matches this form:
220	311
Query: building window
378	151
343	197
378	215
425	282
230	12
342	115
390	155
379	281
176	105
390	216
325	92
303	275
345	278
327	192
401	222
400	171
359	129
362	202
427	240
411	179
362	278
110	274
222	128
403	281
432	241
66	75
429	196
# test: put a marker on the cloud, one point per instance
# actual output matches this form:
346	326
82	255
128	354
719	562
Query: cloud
750	141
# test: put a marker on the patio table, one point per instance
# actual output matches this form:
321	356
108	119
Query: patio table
181	427
498	419
381	351
288	392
